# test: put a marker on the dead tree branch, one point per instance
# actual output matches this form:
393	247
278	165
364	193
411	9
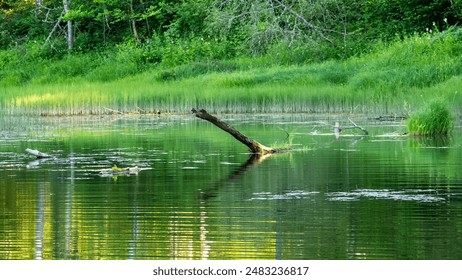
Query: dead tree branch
359	127
254	146
55	27
338	128
310	25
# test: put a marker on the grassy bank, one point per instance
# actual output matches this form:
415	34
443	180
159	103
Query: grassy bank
391	79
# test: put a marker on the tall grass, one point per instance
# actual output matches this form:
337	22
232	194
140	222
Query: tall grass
391	79
415	62
434	120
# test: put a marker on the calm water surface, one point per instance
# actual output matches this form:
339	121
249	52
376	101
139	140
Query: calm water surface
199	194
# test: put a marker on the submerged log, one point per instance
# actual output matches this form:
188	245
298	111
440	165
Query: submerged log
38	154
254	146
338	128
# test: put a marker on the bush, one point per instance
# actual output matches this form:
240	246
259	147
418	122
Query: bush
434	120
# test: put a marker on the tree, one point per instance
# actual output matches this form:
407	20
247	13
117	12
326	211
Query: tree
390	18
456	6
70	31
254	27
18	23
264	22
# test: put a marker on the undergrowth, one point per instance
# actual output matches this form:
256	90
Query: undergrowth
389	80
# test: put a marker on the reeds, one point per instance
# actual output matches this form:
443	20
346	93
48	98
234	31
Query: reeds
434	120
387	80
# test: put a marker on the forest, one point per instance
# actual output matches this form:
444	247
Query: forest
52	42
217	29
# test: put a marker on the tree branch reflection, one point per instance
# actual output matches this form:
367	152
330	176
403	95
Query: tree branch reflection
212	191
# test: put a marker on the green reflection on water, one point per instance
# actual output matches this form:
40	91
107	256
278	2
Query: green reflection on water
201	196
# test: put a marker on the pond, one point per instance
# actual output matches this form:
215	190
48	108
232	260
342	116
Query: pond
199	195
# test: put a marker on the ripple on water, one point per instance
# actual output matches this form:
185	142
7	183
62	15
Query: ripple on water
419	195
296	194
190	168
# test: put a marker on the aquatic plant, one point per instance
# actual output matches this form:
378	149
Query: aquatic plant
432	121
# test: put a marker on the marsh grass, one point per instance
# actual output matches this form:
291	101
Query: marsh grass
389	80
434	120
417	61
194	69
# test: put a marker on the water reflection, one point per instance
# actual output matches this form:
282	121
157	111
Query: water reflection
212	191
39	231
36	163
437	142
200	196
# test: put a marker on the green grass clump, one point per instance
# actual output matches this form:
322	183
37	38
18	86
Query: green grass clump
433	121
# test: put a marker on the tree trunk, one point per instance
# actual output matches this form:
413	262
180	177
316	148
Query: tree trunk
70	32
254	146
133	23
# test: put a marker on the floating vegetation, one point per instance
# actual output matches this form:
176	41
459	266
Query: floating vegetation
404	195
295	194
117	171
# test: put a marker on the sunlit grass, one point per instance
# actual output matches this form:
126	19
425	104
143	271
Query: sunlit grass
393	79
240	92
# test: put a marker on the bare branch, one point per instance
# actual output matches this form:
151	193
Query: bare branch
58	22
306	22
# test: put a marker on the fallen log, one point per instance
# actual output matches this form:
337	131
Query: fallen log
254	146
338	128
38	154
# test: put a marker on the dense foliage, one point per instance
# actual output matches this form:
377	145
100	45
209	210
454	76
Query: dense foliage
174	32
82	56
